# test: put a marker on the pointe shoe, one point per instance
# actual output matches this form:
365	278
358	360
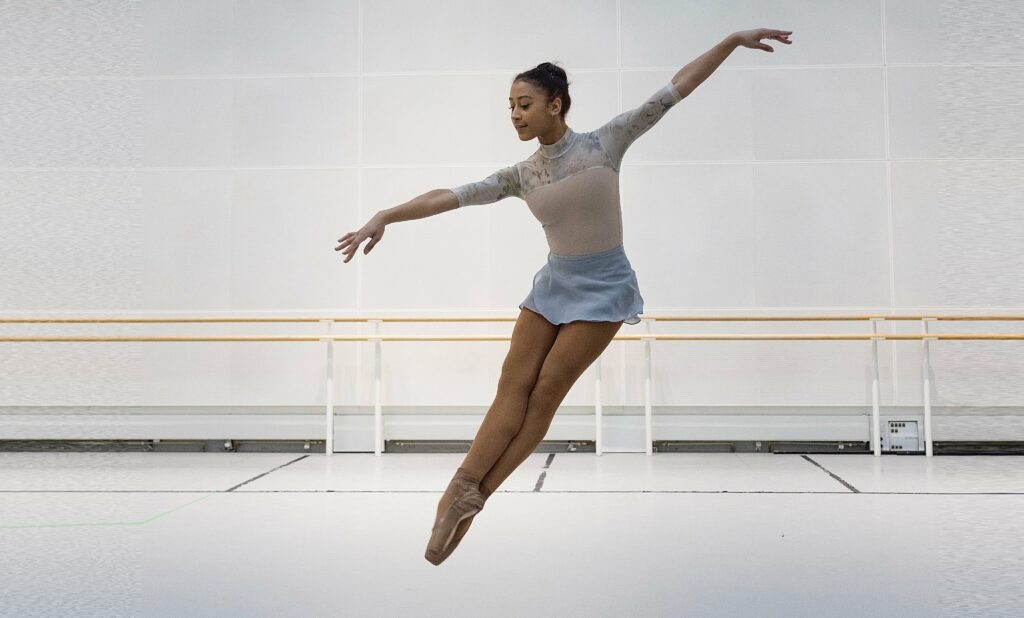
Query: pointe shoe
466	502
455	541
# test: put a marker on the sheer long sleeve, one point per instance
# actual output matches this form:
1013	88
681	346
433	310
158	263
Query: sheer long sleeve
499	185
621	131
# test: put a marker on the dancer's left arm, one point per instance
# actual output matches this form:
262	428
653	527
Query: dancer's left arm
694	74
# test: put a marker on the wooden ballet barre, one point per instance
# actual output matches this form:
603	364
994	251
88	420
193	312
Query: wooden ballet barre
627	337
377	318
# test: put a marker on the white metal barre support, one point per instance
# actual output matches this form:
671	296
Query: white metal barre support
329	443
378	419
926	368
647	392
876	444
597	406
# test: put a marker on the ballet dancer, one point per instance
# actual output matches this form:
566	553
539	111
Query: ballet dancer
583	294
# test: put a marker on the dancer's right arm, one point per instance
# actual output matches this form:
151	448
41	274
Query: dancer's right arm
499	185
430	203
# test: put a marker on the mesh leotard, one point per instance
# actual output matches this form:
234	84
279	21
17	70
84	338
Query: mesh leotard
572	186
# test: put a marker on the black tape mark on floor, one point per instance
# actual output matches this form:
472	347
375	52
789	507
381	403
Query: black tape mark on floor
544	473
268	472
848	486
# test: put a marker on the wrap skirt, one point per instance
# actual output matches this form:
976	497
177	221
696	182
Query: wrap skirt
594	287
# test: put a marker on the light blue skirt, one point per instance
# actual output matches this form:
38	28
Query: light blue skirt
596	287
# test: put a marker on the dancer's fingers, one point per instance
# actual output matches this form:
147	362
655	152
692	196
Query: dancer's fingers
352	249
344	240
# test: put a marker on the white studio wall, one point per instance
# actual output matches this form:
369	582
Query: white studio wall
201	157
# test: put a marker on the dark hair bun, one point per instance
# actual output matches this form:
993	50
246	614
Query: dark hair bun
552	79
554	69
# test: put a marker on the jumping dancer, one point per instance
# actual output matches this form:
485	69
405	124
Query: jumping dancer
583	294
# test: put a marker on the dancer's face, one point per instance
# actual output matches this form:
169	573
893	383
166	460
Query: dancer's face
529	106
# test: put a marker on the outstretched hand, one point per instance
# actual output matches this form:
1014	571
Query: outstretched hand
373	230
752	38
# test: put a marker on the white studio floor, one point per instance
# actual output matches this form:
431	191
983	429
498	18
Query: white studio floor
675	534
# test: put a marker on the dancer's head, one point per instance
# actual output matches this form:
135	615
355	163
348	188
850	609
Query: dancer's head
539	99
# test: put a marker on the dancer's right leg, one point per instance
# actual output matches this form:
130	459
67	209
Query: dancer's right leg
532	337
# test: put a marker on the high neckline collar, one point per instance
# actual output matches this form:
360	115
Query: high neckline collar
558	148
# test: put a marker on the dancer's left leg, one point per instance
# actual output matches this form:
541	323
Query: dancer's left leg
532	338
576	347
